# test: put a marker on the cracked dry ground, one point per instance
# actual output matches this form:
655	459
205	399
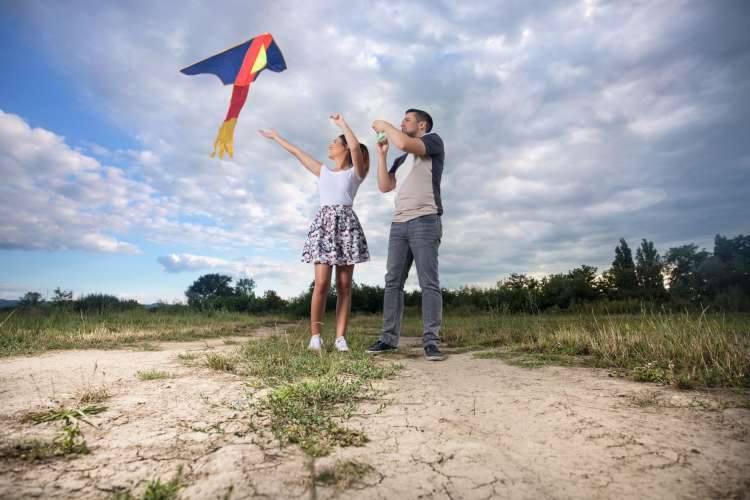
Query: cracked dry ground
462	428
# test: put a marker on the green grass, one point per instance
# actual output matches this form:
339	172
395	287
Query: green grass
29	332
62	413
686	350
283	359
152	374
69	441
156	489
312	395
221	362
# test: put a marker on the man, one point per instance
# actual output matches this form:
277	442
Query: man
416	229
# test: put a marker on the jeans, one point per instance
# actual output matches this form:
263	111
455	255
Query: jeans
415	241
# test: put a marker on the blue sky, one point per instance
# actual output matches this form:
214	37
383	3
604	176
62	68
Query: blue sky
567	125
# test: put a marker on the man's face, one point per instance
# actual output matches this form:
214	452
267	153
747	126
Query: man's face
409	125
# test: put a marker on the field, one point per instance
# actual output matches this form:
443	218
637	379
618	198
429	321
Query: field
183	405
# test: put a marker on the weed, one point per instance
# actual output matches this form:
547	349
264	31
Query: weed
220	362
344	474
152	374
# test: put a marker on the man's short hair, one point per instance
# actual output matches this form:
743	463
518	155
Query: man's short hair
422	116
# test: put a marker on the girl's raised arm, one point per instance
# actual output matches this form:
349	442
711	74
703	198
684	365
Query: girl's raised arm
353	144
305	159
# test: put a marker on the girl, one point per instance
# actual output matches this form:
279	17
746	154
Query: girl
335	237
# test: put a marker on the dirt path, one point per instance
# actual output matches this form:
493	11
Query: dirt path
463	428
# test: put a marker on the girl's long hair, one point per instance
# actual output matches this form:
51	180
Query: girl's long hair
362	147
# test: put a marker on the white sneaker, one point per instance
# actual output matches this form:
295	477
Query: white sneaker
341	344
316	344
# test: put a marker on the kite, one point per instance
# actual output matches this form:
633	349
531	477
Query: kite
239	66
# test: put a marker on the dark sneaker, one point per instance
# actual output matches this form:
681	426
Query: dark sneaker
379	347
432	353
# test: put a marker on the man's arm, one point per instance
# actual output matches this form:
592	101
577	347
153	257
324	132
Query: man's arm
399	139
386	181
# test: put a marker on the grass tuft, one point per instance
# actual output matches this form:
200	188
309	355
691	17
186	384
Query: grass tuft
70	441
62	413
221	362
156	489
344	474
312	395
152	374
92	394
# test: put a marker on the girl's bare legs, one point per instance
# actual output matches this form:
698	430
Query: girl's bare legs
319	296
344	297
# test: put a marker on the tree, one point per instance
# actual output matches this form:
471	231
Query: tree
623	274
681	264
271	302
648	270
563	290
207	288
734	255
30	299
245	287
520	293
62	297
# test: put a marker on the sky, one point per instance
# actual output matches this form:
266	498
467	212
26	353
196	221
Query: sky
567	125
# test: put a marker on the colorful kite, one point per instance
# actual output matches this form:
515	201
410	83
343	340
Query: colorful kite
240	66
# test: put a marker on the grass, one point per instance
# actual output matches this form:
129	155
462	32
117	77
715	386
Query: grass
188	358
686	350
156	489
221	362
63	413
344	474
29	332
535	359
70	441
92	394
152	374
311	396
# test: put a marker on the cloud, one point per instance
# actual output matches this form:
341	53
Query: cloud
56	198
567	125
176	263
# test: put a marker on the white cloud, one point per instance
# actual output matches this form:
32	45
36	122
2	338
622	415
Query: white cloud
57	198
175	263
564	125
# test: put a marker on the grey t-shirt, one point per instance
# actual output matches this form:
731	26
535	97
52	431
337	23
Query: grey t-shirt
418	181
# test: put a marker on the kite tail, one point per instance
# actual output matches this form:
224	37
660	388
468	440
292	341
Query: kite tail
224	142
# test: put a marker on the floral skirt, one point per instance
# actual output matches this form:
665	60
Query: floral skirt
335	238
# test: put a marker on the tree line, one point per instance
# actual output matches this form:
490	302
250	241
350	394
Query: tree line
685	277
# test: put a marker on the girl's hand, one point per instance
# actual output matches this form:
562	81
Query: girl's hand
337	119
271	134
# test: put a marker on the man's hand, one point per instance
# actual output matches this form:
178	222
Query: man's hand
380	125
271	134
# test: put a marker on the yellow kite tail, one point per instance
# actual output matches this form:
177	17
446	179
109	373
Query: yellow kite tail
225	139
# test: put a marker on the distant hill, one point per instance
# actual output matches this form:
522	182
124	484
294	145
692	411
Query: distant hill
7	303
